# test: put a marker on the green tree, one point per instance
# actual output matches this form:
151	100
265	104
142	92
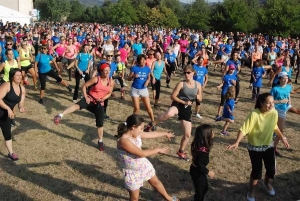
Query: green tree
199	15
123	13
169	18
143	13
77	11
58	9
280	17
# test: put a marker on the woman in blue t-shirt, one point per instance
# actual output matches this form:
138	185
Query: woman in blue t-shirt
171	64
229	80
44	69
157	68
140	74
82	64
257	74
201	76
282	101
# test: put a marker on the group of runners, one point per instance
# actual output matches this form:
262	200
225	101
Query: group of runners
104	56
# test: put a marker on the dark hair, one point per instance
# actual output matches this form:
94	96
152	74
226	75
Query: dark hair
199	58
132	120
139	58
203	138
230	92
12	73
261	99
7	50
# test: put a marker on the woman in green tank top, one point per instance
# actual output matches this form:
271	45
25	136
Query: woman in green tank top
8	64
26	66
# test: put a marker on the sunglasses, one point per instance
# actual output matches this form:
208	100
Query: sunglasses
90	41
109	55
150	54
187	73
9	44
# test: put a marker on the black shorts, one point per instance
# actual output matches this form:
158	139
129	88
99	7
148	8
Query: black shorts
26	68
59	58
218	57
184	113
257	157
97	109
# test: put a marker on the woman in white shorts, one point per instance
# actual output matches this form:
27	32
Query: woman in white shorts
140	74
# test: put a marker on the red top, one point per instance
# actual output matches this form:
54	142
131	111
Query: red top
99	91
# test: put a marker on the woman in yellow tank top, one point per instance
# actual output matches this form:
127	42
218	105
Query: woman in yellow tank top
26	66
8	64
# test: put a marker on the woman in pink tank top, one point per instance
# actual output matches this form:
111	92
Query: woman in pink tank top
60	50
93	100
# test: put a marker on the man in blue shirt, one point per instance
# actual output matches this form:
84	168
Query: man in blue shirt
55	39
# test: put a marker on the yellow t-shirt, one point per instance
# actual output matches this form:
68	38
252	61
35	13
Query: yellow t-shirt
260	127
121	67
7	69
26	62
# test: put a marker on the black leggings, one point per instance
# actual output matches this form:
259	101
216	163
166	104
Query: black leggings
97	109
257	157
183	55
170	68
255	92
200	183
43	77
78	77
5	124
120	79
156	87
237	87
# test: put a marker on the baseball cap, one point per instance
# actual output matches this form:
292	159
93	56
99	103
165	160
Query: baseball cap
231	67
282	74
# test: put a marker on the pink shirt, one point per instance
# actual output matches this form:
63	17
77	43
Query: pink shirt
71	52
183	45
123	54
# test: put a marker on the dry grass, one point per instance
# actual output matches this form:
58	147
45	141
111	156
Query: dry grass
62	162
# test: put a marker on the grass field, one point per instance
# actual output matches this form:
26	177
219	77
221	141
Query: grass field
62	162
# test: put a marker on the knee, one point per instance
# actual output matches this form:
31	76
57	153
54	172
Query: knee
187	135
136	110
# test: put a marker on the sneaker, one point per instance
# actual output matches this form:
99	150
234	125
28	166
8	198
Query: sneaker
277	153
198	116
13	122
105	116
13	157
168	86
69	88
100	146
150	127
224	133
125	84
35	88
296	81
57	119
26	83
41	101
218	118
249	198
74	101
270	192
182	155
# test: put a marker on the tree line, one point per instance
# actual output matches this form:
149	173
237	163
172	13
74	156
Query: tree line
275	17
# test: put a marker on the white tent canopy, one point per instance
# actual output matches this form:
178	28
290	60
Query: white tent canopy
7	14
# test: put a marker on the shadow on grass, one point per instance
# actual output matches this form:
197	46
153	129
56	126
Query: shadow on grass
57	186
8	193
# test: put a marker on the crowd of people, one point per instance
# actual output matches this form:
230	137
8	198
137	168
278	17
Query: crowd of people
104	56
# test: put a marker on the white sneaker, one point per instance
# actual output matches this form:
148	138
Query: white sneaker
74	101
117	82
198	116
125	84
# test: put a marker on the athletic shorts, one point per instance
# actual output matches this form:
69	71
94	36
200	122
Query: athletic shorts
226	58
26	68
282	113
139	92
184	112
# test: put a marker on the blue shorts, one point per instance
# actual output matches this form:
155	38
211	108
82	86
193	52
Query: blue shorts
282	113
228	117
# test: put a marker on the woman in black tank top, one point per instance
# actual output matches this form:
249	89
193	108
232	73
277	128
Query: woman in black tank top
11	94
183	96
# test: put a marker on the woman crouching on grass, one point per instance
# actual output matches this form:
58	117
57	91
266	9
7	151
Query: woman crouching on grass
101	89
260	125
136	167
200	149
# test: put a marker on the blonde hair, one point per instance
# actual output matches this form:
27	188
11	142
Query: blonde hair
230	92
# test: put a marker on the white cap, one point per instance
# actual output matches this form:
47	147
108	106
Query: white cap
282	74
